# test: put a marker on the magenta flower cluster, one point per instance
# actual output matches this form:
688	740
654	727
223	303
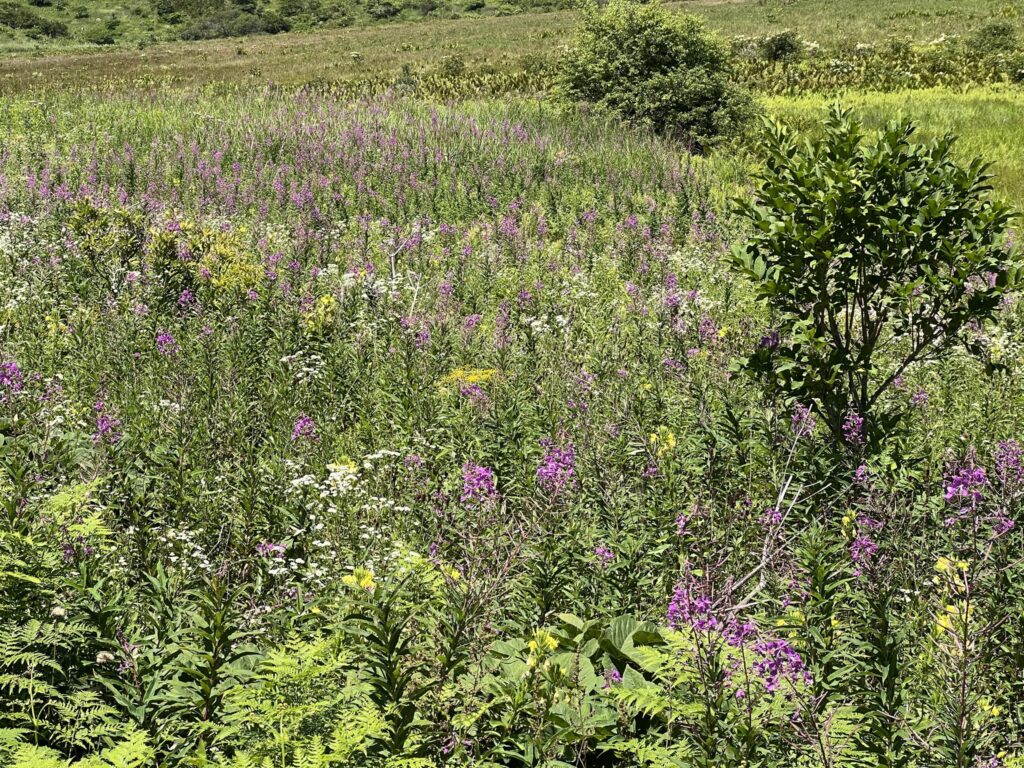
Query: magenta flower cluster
11	380
304	429
107	426
775	660
557	470
966	486
853	428
478	484
167	345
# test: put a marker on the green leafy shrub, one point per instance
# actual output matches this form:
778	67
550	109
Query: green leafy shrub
232	22
994	38
19	17
873	255
653	67
781	46
382	10
100	36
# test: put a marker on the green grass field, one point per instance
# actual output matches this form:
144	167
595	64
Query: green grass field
988	121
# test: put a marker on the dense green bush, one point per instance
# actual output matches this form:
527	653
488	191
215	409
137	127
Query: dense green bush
650	66
781	46
232	22
18	17
994	38
874	255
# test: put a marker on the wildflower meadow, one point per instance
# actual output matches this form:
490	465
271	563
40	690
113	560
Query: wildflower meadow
349	428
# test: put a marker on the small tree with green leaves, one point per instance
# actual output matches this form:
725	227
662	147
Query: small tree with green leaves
873	255
653	67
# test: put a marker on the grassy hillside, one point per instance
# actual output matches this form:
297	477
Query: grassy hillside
60	25
87	24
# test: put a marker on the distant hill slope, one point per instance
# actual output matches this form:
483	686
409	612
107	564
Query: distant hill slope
55	26
28	25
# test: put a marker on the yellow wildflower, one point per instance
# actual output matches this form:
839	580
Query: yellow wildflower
663	441
360	577
542	643
470	376
320	315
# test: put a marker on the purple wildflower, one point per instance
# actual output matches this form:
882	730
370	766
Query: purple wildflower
557	470
270	549
966	485
690	607
1009	464
862	551
478	486
738	632
304	427
167	345
1003	524
862	476
475	394
422	338
11	380
612	677
770	340
707	331
853	428
778	661
107	427
11	377
802	421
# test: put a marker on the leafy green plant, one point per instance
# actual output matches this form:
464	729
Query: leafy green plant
650	66
297	693
872	255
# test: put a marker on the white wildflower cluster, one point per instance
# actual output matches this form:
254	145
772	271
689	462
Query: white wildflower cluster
547	324
183	548
350	486
335	506
305	367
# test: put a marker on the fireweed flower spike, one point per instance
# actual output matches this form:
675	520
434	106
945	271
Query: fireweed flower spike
967	486
304	429
478	484
167	345
11	381
107	427
557	469
1009	460
853	429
